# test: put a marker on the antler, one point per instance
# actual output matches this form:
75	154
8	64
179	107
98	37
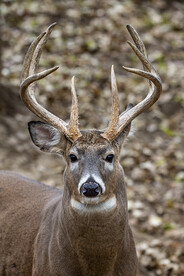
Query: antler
27	89
155	84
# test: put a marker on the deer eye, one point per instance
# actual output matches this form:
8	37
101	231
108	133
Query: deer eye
73	158
109	158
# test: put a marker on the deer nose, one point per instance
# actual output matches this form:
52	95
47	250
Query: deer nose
91	189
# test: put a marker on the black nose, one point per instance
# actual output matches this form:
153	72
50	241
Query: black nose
91	189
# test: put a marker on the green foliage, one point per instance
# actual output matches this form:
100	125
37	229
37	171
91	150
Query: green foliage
169	226
167	131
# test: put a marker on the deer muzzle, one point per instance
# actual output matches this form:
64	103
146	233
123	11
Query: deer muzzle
90	189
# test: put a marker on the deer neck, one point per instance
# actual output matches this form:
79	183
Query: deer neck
86	244
95	237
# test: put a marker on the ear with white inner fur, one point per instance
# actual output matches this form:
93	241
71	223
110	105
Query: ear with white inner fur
46	137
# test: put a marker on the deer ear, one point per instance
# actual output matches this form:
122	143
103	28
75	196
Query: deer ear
46	137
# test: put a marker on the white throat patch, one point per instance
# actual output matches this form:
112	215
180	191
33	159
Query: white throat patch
105	206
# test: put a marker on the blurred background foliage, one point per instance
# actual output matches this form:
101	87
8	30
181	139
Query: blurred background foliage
89	37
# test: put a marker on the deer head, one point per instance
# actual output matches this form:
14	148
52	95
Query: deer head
93	173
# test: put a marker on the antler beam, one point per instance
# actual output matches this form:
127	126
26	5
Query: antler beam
27	89
154	92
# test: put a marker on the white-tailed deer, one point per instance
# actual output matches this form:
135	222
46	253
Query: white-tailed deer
83	230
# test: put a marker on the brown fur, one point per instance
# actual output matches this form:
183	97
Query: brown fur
41	234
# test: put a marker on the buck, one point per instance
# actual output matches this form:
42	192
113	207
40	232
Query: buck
84	229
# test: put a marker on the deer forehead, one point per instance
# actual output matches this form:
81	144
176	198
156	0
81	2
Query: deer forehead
91	137
91	143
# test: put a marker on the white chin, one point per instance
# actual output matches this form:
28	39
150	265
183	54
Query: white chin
90	200
92	205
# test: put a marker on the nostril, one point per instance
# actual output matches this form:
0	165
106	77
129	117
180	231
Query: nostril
91	189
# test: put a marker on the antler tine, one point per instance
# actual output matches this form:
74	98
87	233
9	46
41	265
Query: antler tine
141	47
73	124
27	89
146	64
29	55
111	130
38	50
137	40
